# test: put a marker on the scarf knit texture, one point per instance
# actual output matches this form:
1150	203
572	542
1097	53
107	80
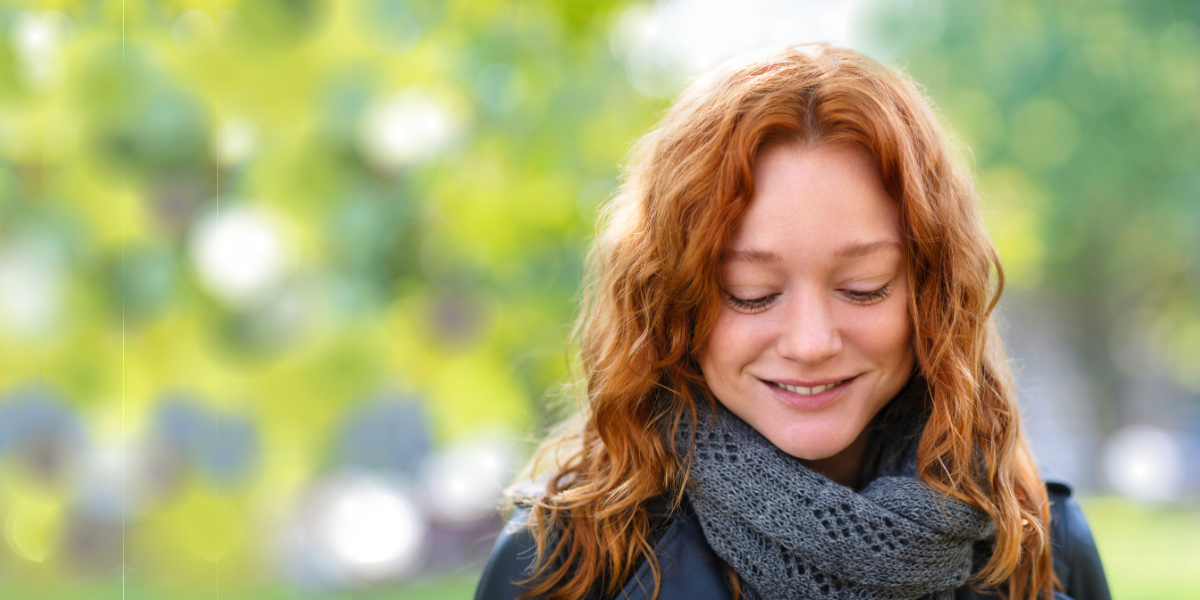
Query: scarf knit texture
790	532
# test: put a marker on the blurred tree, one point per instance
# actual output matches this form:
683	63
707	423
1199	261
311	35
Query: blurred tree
1085	132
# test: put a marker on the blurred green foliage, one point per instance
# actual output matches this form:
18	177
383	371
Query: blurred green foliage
1083	125
444	271
131	167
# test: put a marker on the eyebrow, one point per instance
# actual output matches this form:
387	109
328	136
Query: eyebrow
865	248
750	256
767	257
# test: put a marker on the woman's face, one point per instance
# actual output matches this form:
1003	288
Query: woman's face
812	338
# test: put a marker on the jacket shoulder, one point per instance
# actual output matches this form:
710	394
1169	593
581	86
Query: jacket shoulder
513	559
688	567
1076	559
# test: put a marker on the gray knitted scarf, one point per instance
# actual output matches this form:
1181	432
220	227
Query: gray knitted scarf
790	532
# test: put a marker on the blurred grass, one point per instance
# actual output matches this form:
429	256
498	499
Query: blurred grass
1149	552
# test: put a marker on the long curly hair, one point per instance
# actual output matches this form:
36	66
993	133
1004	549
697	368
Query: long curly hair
652	297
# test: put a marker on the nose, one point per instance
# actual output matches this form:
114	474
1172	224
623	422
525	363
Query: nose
810	333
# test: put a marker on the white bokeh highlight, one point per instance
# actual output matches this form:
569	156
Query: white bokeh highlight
118	480
665	44
240	254
409	127
32	287
363	528
37	40
1144	463
235	142
466	481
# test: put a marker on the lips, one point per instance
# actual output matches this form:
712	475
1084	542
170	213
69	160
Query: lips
808	391
814	396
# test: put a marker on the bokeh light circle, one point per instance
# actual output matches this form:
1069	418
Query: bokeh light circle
466	481
32	286
34	526
409	127
239	253
1144	463
37	39
368	525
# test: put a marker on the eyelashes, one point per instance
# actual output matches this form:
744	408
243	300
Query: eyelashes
869	297
750	306
754	305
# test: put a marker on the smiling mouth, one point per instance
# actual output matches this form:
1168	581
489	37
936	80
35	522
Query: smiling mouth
808	391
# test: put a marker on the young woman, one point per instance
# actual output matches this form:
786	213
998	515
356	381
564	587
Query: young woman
794	388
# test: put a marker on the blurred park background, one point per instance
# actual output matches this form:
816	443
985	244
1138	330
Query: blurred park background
285	285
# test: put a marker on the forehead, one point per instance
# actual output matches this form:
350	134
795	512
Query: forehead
816	202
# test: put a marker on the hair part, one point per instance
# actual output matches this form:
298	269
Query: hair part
652	297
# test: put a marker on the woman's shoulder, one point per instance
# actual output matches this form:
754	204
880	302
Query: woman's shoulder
1076	559
513	560
689	568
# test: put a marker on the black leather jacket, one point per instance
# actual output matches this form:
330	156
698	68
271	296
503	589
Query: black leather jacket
691	571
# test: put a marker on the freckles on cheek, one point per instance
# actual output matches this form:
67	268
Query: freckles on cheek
730	344
716	348
725	325
884	328
735	333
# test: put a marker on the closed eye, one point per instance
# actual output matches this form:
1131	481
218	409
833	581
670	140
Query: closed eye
871	297
751	305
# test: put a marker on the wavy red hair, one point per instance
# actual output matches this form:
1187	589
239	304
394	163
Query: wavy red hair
652	298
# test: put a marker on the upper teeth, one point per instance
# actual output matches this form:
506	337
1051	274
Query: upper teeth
804	391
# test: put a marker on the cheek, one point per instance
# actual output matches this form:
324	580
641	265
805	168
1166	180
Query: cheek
884	333
716	348
735	341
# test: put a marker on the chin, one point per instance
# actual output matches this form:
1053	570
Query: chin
805	444
811	453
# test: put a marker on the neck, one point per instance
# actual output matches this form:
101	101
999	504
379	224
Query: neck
845	467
